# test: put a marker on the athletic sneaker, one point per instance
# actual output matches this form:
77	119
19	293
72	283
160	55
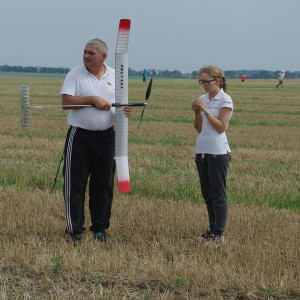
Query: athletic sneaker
76	238
219	239
101	236
207	235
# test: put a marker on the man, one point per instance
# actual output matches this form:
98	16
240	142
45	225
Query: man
90	143
144	76
243	79
280	78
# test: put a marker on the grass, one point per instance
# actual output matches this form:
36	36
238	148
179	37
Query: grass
158	254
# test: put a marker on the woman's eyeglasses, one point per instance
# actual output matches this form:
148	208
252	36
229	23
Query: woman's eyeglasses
206	82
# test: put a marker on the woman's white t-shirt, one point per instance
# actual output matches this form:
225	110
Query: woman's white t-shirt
209	140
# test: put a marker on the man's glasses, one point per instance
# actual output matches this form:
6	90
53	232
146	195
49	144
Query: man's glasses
206	82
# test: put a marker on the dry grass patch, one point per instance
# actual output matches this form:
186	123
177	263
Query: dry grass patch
157	253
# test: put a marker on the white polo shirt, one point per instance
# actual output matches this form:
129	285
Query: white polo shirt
209	140
81	83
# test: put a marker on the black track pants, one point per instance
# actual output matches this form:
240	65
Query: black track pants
212	170
88	155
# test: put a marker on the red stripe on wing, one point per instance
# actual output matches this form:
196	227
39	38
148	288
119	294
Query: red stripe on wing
124	186
124	24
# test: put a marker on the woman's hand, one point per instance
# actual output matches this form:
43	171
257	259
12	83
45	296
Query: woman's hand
198	105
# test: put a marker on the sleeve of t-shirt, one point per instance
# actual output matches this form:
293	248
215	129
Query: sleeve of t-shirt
69	85
226	102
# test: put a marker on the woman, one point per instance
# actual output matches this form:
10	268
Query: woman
212	114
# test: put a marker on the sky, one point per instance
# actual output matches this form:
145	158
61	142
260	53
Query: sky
165	34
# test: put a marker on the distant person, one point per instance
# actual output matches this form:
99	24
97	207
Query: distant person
144	76
90	143
243	79
281	76
213	111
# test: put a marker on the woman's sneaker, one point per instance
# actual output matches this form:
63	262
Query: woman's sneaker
218	239
207	235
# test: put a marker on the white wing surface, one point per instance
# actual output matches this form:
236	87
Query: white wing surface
121	142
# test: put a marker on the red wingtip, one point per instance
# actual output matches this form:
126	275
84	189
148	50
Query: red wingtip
125	24
124	186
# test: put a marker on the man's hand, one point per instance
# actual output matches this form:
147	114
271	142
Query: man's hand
101	103
96	101
127	111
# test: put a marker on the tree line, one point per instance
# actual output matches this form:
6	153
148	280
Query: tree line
7	68
250	74
233	74
260	74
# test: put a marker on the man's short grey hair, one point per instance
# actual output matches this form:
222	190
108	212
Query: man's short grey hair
102	47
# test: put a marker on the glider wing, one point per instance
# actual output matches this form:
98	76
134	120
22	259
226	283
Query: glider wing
121	142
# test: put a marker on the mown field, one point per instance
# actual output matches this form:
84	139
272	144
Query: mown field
157	253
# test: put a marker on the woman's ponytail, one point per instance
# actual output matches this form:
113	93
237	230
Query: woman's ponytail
223	83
